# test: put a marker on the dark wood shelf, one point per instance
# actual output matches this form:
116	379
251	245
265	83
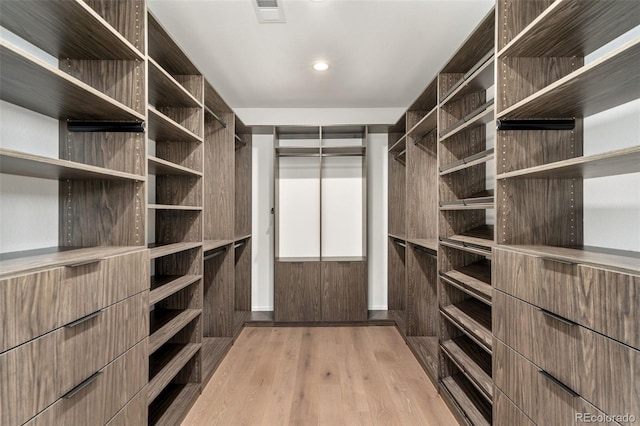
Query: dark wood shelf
430	244
468	399
166	52
160	249
165	364
356	150
480	201
172	405
481	236
209	245
465	163
428	123
66	29
158	166
591	25
397	237
474	363
399	145
473	318
620	260
482	118
167	285
23	164
481	79
212	353
618	162
166	323
164	129
165	91
29	82
603	84
473	279
242	238
21	262
483	251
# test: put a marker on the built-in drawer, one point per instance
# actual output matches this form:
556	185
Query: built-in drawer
98	399
37	373
136	412
34	304
603	300
603	371
505	413
538	395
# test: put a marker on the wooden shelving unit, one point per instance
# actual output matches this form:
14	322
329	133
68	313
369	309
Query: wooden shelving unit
465	204
98	270
176	132
542	192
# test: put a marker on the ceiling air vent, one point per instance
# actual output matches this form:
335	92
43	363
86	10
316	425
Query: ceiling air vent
269	11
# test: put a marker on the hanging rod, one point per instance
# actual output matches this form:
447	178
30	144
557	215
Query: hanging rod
214	254
215	116
400	154
343	155
537	124
399	242
239	140
240	244
106	126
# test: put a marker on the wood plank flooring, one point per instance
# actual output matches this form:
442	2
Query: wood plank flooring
319	376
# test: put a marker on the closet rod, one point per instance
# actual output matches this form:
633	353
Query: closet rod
298	155
400	154
243	143
344	155
215	116
240	244
214	254
106	126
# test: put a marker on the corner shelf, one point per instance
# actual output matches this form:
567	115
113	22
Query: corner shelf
67	29
164	129
167	285
165	91
166	323
473	318
28	82
474	279
24	164
159	249
594	24
474	364
622	161
158	166
166	365
596	87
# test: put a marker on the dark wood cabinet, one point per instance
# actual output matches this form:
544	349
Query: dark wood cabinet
344	291
297	292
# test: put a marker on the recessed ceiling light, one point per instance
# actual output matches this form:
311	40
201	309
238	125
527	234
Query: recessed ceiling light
321	66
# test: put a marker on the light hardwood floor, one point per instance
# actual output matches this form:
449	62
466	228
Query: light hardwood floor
319	376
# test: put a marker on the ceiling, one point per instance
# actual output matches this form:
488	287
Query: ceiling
382	53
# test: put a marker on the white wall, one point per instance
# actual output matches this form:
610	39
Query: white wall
263	220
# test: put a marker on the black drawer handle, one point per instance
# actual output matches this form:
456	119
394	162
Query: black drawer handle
556	317
561	385
83	262
82	385
83	319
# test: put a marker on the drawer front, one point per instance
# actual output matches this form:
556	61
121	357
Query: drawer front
34	375
538	396
505	413
602	300
604	372
104	396
34	304
136	412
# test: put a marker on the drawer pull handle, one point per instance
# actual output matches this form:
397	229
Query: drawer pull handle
556	317
83	262
564	262
82	385
561	385
83	319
